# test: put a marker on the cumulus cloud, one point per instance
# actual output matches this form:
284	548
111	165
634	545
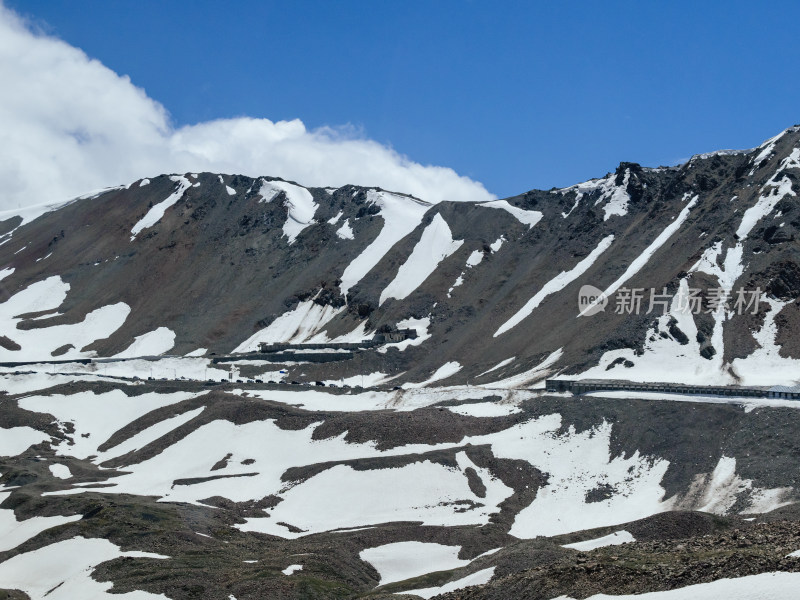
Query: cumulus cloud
69	125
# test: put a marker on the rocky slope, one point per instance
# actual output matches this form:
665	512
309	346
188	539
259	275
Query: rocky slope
219	262
188	490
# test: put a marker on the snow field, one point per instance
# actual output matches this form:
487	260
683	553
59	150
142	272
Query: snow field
342	497
63	571
765	365
97	416
404	560
666	355
15	440
578	463
477	578
767	586
13	532
38	344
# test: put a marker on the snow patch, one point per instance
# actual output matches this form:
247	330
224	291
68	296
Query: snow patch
617	199
15	440
613	539
60	471
421	326
13	532
299	202
291	569
474	259
446	370
526	217
401	215
38	344
774	191
294	327
531	376
435	244
477	578
63	571
499	365
95	417
157	211
558	283
484	409
345	232
641	260
151	434
151	343
342	497
578	463
766	586
718	493
405	560
765	365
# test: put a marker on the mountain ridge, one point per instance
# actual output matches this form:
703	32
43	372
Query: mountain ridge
221	242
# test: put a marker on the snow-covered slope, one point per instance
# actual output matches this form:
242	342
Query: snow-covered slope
265	260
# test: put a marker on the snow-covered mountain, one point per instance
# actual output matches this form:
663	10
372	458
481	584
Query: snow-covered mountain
177	264
424	465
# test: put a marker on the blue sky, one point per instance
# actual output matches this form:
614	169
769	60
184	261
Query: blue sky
515	95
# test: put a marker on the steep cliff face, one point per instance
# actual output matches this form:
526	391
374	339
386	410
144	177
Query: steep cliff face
219	262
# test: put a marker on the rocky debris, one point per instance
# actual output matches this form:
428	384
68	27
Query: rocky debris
639	567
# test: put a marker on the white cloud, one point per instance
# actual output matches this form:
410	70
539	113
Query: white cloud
69	125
